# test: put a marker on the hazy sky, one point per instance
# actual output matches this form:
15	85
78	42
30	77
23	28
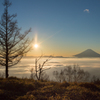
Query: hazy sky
63	27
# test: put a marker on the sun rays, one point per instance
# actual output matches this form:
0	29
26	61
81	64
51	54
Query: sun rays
38	43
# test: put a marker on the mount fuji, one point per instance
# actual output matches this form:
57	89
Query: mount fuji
87	53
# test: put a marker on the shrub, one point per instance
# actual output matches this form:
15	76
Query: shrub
81	93
26	97
90	86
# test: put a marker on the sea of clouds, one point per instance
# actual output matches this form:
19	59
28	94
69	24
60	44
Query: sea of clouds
92	65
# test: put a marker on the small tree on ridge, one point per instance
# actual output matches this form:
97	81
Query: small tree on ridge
38	71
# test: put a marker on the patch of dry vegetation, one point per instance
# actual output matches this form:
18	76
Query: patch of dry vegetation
27	89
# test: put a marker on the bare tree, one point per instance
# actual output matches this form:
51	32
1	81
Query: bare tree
38	71
13	44
95	79
60	77
72	74
79	75
68	72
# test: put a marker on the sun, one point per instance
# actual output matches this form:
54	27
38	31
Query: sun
36	45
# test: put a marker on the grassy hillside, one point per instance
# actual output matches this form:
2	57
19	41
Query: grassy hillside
26	89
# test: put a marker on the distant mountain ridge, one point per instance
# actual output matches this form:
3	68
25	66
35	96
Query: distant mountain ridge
88	53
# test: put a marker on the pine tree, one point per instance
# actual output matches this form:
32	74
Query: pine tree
13	44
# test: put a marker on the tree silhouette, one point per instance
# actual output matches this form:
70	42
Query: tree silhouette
38	71
72	74
13	44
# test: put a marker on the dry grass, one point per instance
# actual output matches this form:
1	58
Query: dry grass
26	89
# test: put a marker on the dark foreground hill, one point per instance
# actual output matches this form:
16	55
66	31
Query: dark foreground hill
27	89
88	53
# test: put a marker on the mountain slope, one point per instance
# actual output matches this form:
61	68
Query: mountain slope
88	53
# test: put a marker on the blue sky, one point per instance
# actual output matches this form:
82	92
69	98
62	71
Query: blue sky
63	27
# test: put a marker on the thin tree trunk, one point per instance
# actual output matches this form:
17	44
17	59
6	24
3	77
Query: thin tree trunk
6	43
6	71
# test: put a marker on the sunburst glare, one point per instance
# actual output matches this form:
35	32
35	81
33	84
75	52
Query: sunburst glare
35	42
36	45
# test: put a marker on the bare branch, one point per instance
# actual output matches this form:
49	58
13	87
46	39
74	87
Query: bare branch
39	71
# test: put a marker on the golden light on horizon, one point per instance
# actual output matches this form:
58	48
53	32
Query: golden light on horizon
36	45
